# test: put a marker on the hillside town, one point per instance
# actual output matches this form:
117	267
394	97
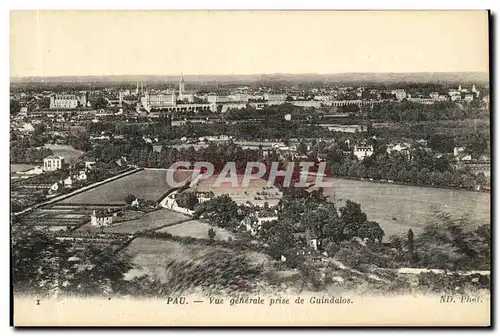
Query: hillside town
90	165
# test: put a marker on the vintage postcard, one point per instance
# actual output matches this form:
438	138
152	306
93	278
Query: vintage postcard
250	168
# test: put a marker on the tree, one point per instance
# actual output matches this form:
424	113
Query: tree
44	265
411	253
302	148
221	211
449	243
355	224
39	261
99	103
477	146
211	234
442	143
81	141
129	199
15	107
351	213
278	235
187	200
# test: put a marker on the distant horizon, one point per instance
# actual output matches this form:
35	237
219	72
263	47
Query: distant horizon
346	77
260	74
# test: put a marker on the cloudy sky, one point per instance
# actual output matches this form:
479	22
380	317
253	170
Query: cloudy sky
57	43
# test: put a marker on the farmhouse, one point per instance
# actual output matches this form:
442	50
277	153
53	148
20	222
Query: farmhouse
362	151
253	222
53	162
102	218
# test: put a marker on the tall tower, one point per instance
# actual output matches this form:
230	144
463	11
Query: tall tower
137	89
181	87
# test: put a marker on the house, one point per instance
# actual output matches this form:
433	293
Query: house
458	150
311	240
469	97
362	151
252	223
27	128
81	176
464	157
56	187
102	218
89	163
53	162
68	182
401	148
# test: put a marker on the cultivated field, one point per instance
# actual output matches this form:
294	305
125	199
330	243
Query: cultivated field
146	184
197	229
150	220
19	167
398	208
240	194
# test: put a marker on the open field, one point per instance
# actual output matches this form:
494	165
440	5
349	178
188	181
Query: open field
57	218
19	167
411	207
147	184
197	229
150	220
69	154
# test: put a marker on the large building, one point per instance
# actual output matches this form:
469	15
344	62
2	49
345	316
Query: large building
275	98
150	101
68	101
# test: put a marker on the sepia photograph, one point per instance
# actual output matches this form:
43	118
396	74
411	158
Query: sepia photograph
250	168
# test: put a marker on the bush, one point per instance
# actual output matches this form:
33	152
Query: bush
452	283
359	257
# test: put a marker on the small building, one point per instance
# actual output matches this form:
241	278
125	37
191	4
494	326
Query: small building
252	223
82	176
362	151
68	182
102	218
458	150
401	148
56	187
89	163
53	162
469	97
311	240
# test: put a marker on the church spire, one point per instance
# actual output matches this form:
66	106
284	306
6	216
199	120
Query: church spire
181	86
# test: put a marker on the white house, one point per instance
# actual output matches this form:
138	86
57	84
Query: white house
53	162
68	182
401	148
458	150
55	187
362	151
469	97
104	218
253	223
82	175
